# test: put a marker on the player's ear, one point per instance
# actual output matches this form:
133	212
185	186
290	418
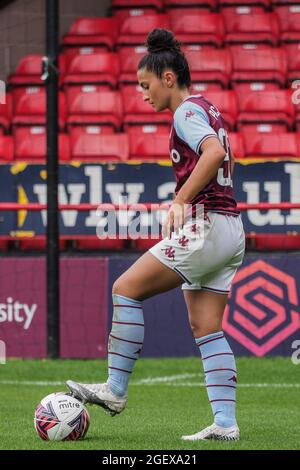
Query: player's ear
169	78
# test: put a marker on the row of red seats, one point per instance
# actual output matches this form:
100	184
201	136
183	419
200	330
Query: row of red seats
31	146
190	26
160	5
281	241
123	110
220	68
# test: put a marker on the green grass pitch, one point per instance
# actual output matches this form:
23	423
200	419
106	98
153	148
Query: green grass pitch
166	399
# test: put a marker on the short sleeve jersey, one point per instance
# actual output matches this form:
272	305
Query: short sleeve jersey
194	121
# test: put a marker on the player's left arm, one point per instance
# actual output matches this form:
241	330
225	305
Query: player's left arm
212	157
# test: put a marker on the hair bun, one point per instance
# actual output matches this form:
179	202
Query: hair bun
162	40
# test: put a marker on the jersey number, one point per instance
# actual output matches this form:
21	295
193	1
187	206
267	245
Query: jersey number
221	179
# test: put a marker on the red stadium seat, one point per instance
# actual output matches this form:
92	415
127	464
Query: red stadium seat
123	13
236	144
139	112
251	27
289	19
6	113
37	244
3	245
30	144
88	108
149	147
29	71
297	108
293	59
129	58
186	48
133	8
199	87
284	2
29	106
94	243
266	65
271	145
71	52
226	3
148	129
100	147
266	107
145	244
6	148
226	103
276	241
211	4
94	129
90	31
101	68
249	87
196	27
241	9
134	30
298	142
210	66
157	4
264	128
202	86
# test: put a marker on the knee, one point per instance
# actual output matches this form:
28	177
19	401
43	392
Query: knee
197	330
118	287
200	330
123	286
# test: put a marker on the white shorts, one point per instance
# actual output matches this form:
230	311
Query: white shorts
205	253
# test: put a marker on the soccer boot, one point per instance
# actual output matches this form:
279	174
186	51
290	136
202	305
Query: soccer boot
98	394
215	432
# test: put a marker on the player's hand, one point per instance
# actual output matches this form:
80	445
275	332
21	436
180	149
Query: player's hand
175	219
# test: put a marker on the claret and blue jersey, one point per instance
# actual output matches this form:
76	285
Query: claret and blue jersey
195	120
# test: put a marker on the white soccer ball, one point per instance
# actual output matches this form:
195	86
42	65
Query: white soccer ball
61	417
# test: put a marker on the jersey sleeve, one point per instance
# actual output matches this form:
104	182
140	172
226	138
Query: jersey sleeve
191	124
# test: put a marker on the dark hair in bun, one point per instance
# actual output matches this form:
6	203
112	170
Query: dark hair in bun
164	53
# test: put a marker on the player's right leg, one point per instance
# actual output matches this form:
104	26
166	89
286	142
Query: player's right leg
145	278
205	315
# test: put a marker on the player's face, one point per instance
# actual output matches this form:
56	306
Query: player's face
155	89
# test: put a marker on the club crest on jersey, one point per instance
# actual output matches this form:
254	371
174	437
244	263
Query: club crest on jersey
188	114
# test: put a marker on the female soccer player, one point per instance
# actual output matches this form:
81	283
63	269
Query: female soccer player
202	254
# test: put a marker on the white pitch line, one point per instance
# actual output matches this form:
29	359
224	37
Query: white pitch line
166	380
40	383
241	385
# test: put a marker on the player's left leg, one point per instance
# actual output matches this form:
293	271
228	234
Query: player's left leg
205	309
146	277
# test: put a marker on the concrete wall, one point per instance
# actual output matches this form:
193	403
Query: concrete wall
22	27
